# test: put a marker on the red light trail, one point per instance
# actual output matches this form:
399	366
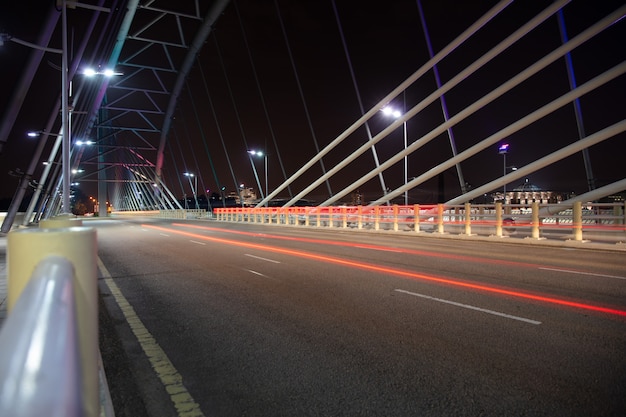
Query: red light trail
390	271
363	246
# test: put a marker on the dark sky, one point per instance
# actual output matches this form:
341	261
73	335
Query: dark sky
386	44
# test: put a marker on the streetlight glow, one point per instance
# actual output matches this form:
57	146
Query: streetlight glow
90	72
396	114
263	155
193	186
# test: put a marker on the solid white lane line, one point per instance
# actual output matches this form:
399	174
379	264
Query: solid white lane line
198	243
263	259
483	310
583	273
169	376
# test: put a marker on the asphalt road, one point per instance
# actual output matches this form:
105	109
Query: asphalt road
206	318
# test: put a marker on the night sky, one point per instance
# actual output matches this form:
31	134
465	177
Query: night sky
386	44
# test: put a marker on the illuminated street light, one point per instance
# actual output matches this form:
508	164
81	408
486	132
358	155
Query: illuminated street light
90	72
391	112
263	155
194	187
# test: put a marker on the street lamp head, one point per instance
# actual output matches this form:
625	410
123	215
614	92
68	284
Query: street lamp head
90	72
36	134
256	153
391	112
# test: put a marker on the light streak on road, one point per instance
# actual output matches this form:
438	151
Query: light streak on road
431	254
401	273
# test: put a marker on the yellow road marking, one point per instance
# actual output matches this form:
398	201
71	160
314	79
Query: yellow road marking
169	376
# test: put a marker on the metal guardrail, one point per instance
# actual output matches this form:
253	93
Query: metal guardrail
50	363
40	367
600	222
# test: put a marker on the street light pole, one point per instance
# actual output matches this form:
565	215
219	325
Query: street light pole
192	186
264	155
406	167
389	111
65	144
503	149
265	158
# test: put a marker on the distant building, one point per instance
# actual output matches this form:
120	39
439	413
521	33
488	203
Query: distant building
247	194
527	193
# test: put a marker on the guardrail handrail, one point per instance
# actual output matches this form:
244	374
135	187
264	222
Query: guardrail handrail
40	370
578	221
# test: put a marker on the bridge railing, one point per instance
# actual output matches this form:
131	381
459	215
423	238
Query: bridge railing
50	362
40	367
604	222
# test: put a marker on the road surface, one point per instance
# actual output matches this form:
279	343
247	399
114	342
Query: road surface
217	319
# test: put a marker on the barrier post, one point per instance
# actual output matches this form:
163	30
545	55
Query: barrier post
499	219
26	248
344	217
395	217
577	212
359	213
468	219
376	217
416	218
535	220
440	228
